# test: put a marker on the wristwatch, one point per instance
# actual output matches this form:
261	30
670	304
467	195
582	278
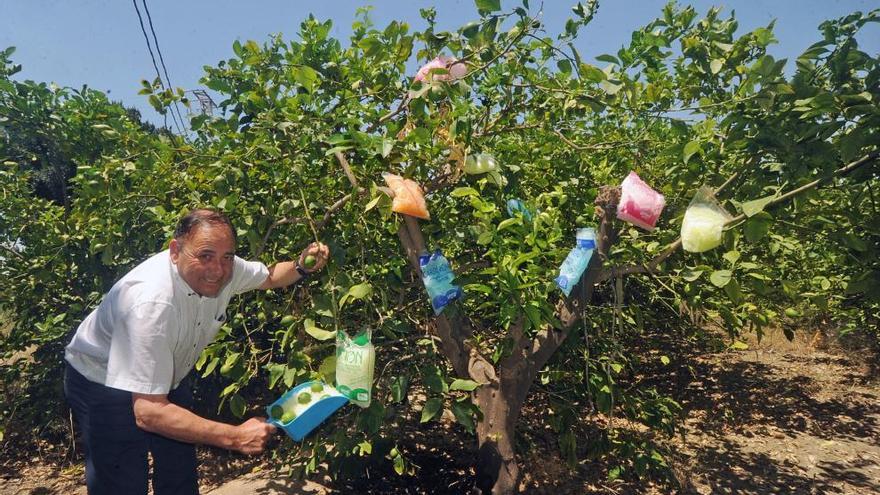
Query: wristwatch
303	274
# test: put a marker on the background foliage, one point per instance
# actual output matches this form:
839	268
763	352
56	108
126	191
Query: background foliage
89	191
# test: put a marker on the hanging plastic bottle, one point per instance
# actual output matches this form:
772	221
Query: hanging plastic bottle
577	260
437	277
703	222
355	361
516	205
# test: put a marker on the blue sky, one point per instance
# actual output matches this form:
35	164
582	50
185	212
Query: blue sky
99	42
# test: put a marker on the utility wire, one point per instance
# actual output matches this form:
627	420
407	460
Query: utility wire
162	60
155	65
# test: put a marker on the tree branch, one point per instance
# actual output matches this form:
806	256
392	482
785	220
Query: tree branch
453	332
347	169
548	340
651	266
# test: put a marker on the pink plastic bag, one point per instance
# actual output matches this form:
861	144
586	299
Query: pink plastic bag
639	204
456	70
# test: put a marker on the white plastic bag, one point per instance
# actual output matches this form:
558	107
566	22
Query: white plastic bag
703	222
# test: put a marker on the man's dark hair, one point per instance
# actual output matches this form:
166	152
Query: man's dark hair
200	217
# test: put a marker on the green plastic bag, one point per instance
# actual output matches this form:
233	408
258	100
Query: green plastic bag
355	361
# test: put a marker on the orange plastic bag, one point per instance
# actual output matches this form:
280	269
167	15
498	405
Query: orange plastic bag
408	196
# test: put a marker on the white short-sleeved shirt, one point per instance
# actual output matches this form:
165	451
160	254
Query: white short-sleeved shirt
151	327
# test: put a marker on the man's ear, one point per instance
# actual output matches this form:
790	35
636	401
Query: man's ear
174	250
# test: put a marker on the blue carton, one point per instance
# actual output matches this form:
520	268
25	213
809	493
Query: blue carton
309	419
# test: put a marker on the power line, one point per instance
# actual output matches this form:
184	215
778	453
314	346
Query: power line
155	65
162	59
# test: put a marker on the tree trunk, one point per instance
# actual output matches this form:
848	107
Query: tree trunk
501	404
504	388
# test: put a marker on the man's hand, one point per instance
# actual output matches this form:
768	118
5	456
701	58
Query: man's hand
314	257
252	436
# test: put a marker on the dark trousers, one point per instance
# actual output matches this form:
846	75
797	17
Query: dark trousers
116	449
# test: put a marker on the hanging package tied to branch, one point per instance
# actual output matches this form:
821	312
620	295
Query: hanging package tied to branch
703	222
408	196
355	360
577	260
437	277
515	206
639	204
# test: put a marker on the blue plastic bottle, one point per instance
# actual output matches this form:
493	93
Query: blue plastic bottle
577	260
516	205
437	277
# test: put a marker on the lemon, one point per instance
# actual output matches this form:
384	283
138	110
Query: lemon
310	261
276	412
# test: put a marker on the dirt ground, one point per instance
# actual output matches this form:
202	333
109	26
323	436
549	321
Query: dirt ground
780	417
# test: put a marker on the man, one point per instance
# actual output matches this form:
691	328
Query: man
128	363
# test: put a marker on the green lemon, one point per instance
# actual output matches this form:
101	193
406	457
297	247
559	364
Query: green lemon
304	398
310	261
317	387
276	412
288	417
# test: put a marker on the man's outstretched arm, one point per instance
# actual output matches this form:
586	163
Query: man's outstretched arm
154	413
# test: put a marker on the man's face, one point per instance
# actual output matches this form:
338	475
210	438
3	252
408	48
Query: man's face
205	258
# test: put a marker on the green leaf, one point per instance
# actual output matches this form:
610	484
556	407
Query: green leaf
463	412
488	5
360	291
731	256
592	73
564	66
316	332
387	146
328	368
757	226
237	405
855	243
507	222
433	379
664	360
432	407
211	367
739	346
399	464
689	150
715	65
276	371
755	206
399	387
372	204
610	88
305	76
691	275
466	385
464	191
720	278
